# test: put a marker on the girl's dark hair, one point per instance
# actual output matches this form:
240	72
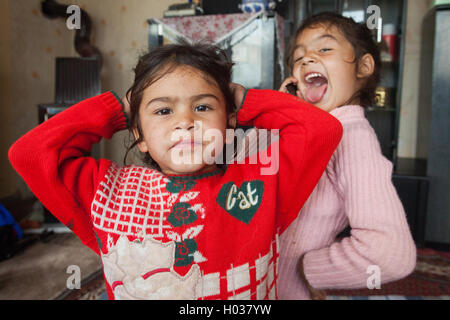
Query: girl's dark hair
359	36
209	59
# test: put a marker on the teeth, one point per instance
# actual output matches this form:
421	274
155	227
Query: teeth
311	76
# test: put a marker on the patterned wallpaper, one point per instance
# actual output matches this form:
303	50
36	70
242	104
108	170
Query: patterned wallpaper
120	33
31	42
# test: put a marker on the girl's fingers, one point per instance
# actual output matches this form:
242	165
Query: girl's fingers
238	92
286	82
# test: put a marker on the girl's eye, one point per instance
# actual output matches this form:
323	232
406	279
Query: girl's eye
202	108
298	59
163	112
324	50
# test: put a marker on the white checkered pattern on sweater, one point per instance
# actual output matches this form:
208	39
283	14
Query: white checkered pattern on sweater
118	209
240	281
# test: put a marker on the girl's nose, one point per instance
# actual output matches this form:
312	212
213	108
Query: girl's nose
185	125
184	121
308	60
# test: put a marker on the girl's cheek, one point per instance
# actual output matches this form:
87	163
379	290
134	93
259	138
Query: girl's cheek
296	72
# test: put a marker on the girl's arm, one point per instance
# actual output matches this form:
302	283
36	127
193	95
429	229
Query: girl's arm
52	160
308	137
380	241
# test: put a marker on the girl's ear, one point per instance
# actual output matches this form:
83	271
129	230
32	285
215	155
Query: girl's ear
141	145
232	120
366	66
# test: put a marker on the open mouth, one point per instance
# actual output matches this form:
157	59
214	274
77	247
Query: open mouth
316	86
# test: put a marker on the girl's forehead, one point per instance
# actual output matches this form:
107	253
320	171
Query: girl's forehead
177	78
319	32
182	80
184	74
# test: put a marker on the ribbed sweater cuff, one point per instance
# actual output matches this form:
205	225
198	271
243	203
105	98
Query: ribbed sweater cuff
319	269
112	101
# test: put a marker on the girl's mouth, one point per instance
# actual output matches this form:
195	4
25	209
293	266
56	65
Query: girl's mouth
316	86
186	144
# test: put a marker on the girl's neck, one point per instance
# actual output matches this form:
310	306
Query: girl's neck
354	100
206	169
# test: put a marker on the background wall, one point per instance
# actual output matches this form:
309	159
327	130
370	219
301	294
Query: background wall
7	176
30	43
407	147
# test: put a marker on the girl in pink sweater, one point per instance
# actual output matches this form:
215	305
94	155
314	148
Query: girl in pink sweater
336	66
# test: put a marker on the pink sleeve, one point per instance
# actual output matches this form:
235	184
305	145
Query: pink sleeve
380	234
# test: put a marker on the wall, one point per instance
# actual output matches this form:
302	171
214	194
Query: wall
407	147
29	45
6	174
33	42
121	34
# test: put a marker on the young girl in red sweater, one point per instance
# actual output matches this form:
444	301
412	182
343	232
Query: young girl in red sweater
177	229
336	66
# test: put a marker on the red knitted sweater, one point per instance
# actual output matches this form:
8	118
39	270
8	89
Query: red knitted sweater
200	236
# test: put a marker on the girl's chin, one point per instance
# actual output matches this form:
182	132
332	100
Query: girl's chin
325	105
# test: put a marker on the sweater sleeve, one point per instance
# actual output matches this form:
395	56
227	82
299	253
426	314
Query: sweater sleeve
308	137
380	237
52	160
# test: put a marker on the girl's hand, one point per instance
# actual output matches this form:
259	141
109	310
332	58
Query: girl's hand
238	92
315	294
286	82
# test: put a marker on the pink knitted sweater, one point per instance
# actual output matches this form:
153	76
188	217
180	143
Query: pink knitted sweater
355	190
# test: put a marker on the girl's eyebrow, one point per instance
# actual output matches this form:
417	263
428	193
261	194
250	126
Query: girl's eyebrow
326	36
160	99
193	98
323	36
204	95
